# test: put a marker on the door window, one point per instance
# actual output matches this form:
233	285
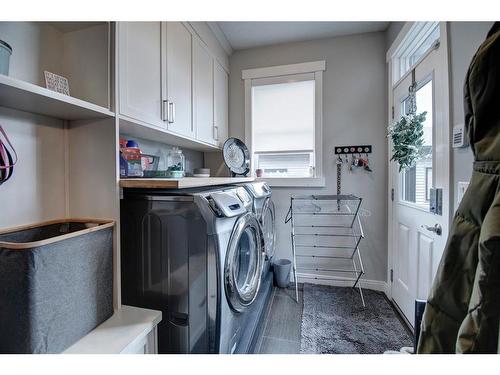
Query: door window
268	228
417	181
246	263
243	263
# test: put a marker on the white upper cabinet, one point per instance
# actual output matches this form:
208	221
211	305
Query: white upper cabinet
139	71
203	93
178	72
221	104
170	81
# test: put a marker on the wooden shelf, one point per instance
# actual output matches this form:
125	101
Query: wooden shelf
28	97
143	130
180	183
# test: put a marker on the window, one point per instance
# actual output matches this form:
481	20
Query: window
417	42
409	179
283	123
428	183
416	182
283	128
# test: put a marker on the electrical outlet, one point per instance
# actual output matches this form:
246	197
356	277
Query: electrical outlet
461	188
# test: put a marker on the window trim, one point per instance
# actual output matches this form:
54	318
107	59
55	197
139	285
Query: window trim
410	38
293	181
428	183
294	73
283	70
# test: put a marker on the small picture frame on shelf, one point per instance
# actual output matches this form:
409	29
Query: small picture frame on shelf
56	83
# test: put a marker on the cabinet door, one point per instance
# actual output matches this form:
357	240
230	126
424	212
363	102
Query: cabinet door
203	94
139	71
221	103
147	345
178	72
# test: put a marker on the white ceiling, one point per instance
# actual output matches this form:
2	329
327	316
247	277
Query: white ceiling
242	35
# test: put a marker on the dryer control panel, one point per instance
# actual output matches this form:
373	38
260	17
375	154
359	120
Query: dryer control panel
227	204
242	193
259	189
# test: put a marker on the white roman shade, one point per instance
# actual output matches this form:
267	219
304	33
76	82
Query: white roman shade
283	116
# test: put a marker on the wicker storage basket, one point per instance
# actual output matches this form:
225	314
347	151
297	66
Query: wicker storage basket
56	283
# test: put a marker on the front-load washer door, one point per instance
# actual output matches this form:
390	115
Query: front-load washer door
268	222
243	265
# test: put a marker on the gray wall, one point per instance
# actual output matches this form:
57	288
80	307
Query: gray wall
36	190
392	32
354	113
464	39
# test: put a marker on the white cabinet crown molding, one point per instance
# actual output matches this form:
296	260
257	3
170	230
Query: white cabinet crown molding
221	37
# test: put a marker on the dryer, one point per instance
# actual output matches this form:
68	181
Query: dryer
196	255
263	208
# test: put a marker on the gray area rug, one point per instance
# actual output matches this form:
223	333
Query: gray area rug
334	321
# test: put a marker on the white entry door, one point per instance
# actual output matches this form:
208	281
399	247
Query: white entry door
416	250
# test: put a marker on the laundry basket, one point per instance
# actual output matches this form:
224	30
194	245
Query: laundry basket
56	283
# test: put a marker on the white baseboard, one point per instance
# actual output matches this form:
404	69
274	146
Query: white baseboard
380	286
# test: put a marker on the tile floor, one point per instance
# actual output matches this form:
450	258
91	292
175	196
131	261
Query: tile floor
281	333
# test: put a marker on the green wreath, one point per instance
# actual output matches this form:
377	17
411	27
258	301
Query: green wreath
407	139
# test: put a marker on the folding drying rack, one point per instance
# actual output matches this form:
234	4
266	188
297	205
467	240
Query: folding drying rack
326	228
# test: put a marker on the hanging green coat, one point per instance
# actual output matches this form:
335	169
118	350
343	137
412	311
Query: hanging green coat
463	310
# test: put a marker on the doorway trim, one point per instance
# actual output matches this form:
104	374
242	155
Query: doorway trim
444	66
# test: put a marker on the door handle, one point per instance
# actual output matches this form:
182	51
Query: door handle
171	112
216	132
436	229
164	110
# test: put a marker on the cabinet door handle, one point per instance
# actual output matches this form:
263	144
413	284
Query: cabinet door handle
216	132
171	112
164	110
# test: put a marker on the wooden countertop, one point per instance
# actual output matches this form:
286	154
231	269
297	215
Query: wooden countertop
180	183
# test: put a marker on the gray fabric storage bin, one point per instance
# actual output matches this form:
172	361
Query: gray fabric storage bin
56	283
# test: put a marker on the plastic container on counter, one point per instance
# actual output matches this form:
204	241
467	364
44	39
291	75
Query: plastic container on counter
130	159
176	163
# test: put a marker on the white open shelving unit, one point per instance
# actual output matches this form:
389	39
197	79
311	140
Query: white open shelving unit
79	51
25	96
83	169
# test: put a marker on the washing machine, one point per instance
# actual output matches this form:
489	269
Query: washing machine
263	208
196	255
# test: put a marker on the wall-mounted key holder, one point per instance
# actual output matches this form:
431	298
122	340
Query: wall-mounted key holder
358	159
360	149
